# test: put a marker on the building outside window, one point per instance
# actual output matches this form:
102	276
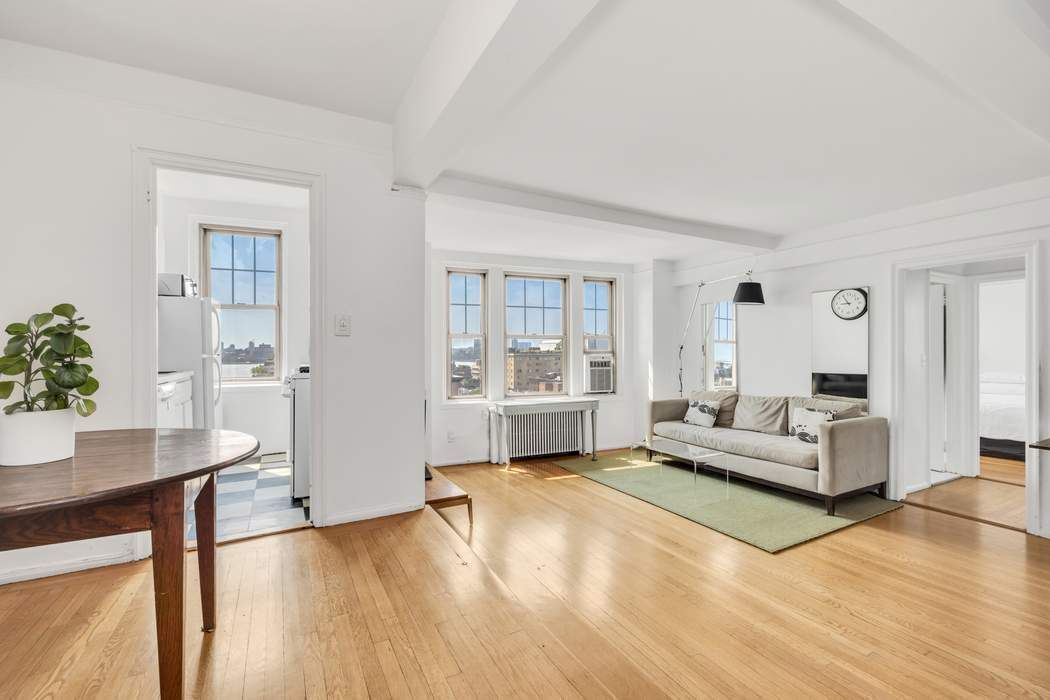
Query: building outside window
243	279
535	335
466	334
597	316
721	370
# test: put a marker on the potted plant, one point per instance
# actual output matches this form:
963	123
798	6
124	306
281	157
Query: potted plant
44	357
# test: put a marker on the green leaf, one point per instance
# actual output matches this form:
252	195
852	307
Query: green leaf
63	343
49	358
86	407
66	310
11	408
66	327
41	320
17	366
83	327
16	346
40	348
81	347
6	388
88	388
52	387
70	376
17	329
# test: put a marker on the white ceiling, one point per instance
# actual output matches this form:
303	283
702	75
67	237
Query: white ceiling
777	116
456	224
351	56
190	185
727	121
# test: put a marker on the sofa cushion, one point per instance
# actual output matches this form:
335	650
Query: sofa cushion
841	410
862	404
702	413
726	399
763	414
772	448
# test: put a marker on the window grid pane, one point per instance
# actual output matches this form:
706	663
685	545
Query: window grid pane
466	376
243	272
534	308
722	359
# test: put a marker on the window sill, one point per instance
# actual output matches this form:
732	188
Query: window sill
244	386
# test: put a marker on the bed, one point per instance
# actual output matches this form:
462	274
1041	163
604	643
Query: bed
1002	415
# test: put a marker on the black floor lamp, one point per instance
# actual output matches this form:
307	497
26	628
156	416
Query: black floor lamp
748	292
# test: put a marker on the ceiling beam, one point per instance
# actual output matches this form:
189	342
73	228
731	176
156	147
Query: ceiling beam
483	54
993	52
555	208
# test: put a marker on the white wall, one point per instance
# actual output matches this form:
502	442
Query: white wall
254	408
69	127
459	429
774	340
1001	327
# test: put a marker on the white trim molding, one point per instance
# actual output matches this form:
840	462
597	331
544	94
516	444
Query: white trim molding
146	162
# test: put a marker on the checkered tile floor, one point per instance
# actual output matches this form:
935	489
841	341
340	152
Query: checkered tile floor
253	497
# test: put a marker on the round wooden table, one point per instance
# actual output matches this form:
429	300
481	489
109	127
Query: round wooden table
123	481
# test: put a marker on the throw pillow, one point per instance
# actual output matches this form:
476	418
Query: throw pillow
806	421
841	409
702	413
763	414
726	397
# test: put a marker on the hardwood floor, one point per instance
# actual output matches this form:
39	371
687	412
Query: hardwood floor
566	589
995	498
1008	471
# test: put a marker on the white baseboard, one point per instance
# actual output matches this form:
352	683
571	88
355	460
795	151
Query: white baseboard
369	513
471	460
64	567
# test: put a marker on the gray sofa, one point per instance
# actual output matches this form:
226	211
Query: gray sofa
850	457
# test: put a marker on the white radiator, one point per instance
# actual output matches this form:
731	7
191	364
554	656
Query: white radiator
535	434
534	427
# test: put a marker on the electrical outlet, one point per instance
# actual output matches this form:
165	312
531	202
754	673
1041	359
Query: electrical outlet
450	436
342	324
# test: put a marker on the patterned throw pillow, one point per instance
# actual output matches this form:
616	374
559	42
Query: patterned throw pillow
702	413
805	422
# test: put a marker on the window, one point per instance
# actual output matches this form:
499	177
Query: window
721	346
466	335
535	335
244	281
597	316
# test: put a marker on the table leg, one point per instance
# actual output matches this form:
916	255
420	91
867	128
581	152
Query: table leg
204	515
168	531
594	435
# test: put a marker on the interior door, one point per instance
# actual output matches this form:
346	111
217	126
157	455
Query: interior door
938	406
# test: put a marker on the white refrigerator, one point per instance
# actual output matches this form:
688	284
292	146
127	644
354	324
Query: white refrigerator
189	338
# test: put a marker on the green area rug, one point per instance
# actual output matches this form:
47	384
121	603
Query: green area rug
761	516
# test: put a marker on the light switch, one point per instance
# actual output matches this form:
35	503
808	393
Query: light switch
342	324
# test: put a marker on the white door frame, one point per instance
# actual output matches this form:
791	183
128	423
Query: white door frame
977	253
146	162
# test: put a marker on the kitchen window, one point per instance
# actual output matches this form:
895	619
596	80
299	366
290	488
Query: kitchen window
466	334
534	356
243	279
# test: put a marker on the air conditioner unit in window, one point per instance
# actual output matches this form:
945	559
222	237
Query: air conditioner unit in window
601	373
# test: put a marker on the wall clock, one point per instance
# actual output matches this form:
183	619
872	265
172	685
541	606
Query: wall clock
849	304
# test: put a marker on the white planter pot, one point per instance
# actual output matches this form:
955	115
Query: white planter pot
36	437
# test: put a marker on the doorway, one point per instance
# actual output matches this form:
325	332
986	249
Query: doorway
233	343
975	360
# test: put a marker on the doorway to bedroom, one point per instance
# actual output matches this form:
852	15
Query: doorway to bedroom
976	361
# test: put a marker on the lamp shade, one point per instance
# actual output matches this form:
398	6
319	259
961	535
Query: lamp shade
749	293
